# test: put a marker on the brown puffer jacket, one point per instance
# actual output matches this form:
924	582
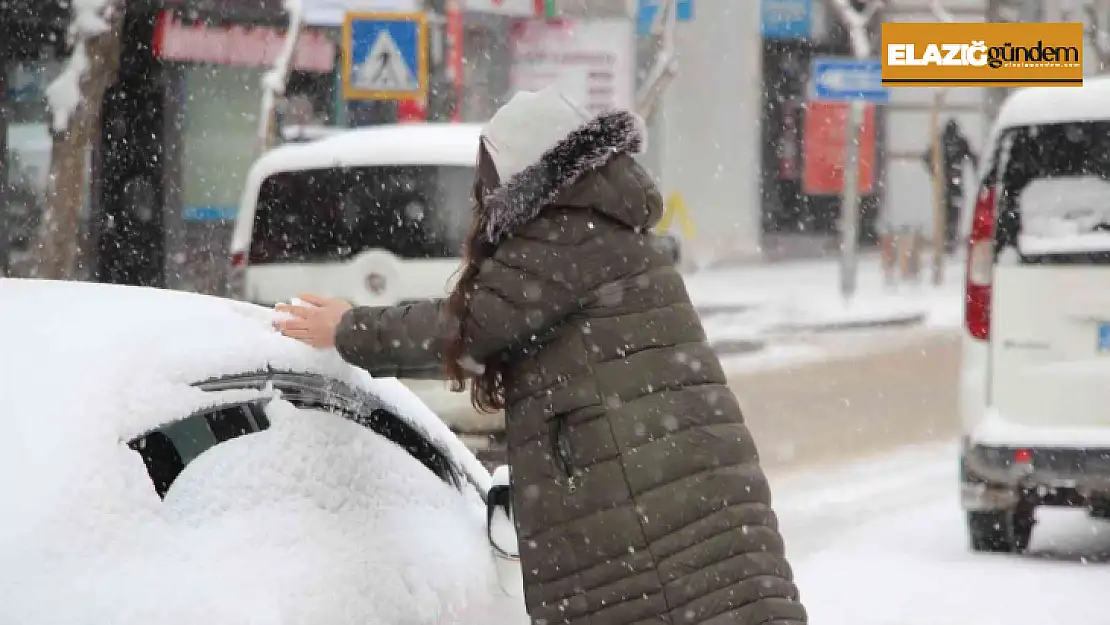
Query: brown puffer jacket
636	485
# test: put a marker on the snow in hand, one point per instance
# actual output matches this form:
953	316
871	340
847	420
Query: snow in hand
314	520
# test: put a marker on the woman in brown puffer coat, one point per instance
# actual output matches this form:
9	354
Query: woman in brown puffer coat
636	486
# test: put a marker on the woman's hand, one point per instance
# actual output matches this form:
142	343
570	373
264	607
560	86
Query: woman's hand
315	324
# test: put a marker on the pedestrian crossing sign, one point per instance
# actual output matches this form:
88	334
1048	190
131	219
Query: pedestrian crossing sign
385	56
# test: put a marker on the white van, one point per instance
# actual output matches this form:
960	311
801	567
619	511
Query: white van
376	216
1035	379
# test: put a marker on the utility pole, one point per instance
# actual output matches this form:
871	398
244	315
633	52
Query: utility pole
856	21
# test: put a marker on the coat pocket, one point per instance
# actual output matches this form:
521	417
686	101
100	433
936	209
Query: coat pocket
561	452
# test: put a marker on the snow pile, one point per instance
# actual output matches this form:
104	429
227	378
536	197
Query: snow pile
1063	215
90	19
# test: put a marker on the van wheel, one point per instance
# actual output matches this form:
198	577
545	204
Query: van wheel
1001	532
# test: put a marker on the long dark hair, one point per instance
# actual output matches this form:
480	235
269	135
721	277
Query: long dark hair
487	385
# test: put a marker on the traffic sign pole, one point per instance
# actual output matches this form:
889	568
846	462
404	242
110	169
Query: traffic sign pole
849	206
857	81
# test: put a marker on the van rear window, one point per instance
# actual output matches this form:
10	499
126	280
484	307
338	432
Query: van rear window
324	215
1055	196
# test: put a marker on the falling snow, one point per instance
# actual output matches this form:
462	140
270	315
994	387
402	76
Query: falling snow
916	346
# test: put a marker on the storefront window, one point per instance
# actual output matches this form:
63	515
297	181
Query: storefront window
219	137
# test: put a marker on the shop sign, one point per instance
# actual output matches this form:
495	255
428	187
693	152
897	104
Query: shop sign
826	126
591	61
786	19
515	8
331	12
243	46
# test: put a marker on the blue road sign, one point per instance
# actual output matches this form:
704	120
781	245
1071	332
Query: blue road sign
385	56
646	11
839	79
786	19
209	213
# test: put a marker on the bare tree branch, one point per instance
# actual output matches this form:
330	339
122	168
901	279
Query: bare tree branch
941	13
273	82
871	9
856	23
1099	37
666	65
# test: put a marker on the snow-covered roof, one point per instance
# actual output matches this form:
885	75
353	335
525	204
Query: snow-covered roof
1051	105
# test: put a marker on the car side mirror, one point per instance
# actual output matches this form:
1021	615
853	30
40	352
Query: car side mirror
500	526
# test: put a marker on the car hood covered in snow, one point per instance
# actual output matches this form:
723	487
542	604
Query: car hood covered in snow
314	520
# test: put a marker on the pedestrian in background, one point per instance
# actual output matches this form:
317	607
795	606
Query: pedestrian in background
636	486
955	153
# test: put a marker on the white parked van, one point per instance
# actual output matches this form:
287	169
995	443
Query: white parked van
1035	380
376	215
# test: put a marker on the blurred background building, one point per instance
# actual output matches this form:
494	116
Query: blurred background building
753	165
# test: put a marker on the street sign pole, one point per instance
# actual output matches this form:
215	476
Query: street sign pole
857	82
849	206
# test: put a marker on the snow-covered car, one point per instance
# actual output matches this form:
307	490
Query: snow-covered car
169	458
377	215
1035	380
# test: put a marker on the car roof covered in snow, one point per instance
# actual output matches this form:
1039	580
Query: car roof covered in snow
392	144
83	354
1053	105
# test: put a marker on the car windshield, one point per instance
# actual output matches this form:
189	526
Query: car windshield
168	449
324	215
1055	203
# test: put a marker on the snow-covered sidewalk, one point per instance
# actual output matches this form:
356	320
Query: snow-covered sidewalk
753	300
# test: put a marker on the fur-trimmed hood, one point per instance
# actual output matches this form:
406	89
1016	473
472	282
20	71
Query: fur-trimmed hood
588	146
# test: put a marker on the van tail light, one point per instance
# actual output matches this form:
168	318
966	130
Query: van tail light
980	266
238	260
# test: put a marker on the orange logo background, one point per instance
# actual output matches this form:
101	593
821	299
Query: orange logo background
983	54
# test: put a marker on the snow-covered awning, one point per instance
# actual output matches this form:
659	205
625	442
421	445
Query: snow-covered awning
330	12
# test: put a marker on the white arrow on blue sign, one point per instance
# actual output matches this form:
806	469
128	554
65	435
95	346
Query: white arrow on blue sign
840	79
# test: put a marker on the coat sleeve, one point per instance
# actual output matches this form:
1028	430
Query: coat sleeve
528	286
394	341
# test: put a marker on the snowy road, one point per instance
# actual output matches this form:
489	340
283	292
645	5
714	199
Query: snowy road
881	542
